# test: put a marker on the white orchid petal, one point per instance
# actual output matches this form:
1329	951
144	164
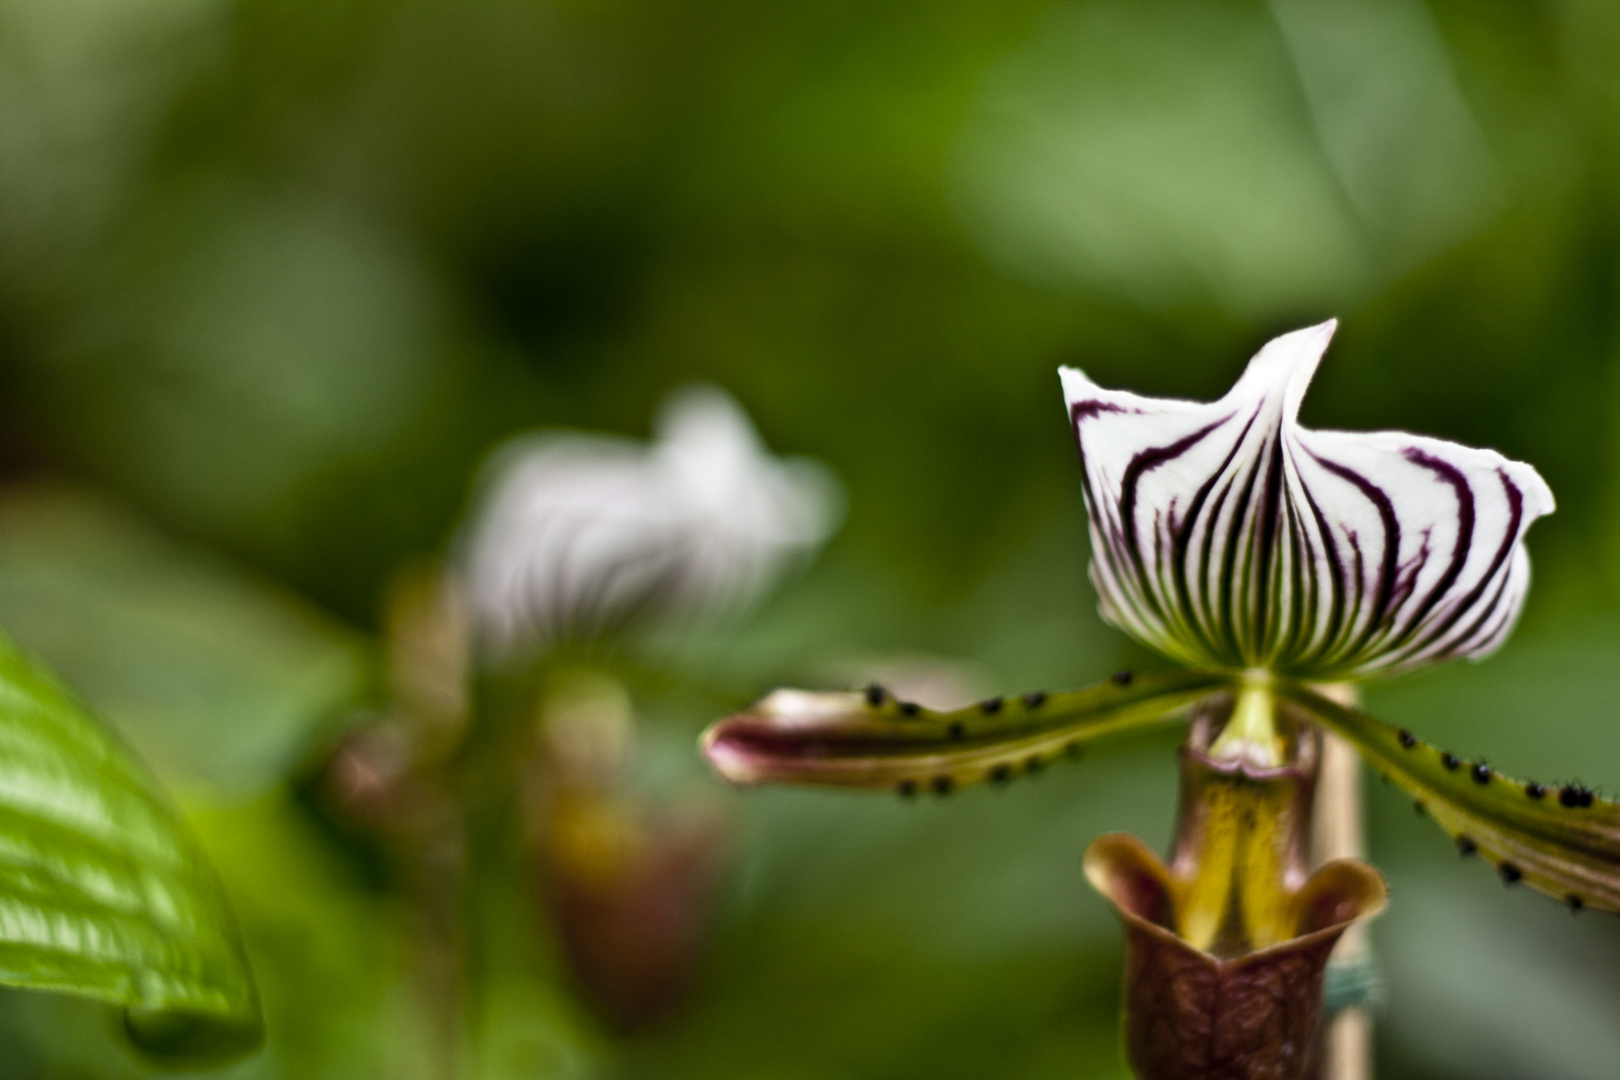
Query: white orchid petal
1226	534
579	534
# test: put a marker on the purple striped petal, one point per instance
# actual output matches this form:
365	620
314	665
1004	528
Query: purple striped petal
1227	535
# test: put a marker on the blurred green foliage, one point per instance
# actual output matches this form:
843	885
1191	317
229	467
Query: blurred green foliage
224	681
275	275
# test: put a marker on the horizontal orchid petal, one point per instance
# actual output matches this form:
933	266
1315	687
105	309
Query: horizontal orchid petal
1562	841
1227	535
870	740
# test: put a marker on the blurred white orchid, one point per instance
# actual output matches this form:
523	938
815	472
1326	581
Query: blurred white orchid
579	534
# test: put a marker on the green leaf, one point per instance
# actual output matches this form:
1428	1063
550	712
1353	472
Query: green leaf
1563	841
870	740
103	892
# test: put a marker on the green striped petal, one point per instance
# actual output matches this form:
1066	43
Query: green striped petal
1562	841
870	740
103	891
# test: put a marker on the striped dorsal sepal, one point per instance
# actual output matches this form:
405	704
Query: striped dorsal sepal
868	739
1228	535
1559	839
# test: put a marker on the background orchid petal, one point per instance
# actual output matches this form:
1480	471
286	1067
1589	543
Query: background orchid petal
1227	535
579	535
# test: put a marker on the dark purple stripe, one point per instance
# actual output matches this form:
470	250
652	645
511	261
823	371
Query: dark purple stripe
1460	547
1303	591
1405	587
1240	512
1206	590
1183	534
1082	410
1158	547
1357	576
1392	544
1485	614
1490	622
1361	580
1330	547
1266	538
1144	462
1515	499
1112	547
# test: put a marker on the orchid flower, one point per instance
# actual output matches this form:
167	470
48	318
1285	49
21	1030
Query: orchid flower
577	541
1275	564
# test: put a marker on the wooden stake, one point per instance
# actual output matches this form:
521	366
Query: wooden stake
1338	832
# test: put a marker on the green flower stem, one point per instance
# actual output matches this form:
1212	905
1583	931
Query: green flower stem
485	778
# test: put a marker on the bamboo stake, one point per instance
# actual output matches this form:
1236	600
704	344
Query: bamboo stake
1338	832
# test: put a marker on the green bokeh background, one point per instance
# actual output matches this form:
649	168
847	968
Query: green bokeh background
275	275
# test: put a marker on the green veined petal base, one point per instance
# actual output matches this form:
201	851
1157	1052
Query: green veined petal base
103	892
1562	841
872	741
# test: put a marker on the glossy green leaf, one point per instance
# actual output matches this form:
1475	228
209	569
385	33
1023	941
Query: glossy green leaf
870	740
1560	840
103	892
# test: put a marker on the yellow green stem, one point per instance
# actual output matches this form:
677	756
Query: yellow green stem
1250	733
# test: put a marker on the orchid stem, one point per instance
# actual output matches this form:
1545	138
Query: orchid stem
1251	733
1338	832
